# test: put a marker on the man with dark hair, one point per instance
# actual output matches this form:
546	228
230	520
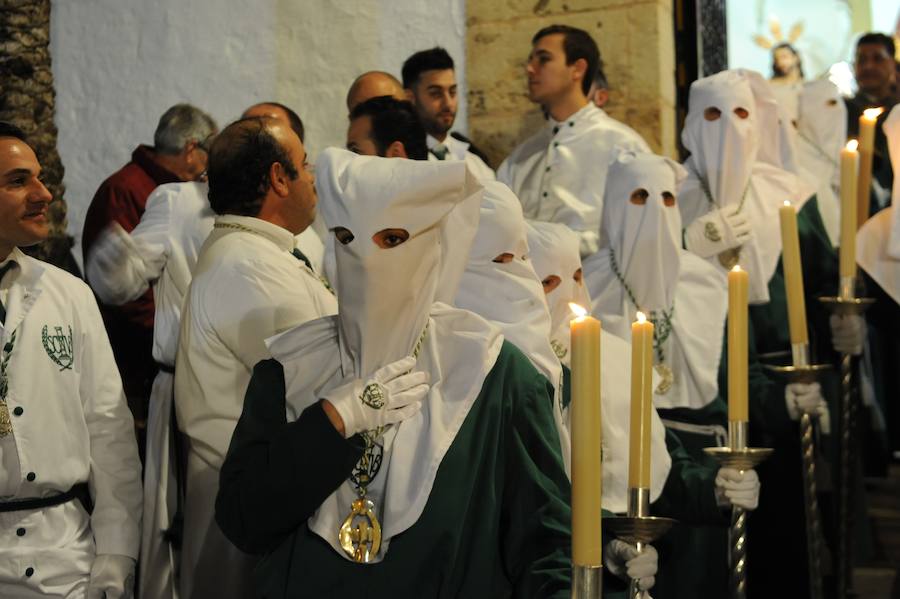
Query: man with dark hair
559	173
373	84
430	82
384	126
179	153
66	434
875	72
250	282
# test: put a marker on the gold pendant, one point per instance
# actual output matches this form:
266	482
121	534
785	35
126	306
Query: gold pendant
361	542
667	378
730	258
5	420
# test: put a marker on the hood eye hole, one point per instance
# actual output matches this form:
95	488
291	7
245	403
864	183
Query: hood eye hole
390	238
741	113
832	102
504	258
712	113
550	283
668	199
343	235
639	197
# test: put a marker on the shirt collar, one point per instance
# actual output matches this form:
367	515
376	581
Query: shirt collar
278	235
144	157
582	114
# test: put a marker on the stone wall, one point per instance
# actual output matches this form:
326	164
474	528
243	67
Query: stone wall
636	42
27	100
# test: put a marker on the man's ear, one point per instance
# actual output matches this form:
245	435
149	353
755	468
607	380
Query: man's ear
580	67
396	150
278	179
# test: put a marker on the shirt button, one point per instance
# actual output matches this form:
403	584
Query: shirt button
31	476
547	170
544	194
571	123
18	411
29	571
556	130
20	532
555	144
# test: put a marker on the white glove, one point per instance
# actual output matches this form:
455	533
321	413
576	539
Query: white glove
805	398
120	268
624	561
716	231
848	333
112	577
392	394
737	488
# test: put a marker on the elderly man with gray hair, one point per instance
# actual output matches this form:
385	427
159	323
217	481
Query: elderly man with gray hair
179	153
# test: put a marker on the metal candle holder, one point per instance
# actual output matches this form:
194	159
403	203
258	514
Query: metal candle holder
737	455
846	304
587	582
803	372
638	527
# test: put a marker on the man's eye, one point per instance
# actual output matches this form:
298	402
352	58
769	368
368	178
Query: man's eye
393	240
639	197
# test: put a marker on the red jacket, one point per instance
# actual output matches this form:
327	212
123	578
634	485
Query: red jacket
122	198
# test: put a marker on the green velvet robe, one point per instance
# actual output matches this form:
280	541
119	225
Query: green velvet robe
496	524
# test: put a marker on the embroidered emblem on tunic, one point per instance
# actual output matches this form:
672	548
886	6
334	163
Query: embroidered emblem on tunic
559	349
59	346
711	232
5	420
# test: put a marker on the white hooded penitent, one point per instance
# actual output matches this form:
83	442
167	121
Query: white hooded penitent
393	250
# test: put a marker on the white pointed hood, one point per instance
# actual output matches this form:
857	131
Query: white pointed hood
386	300
554	251
725	159
822	129
685	295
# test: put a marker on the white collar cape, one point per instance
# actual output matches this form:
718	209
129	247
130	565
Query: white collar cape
694	348
458	351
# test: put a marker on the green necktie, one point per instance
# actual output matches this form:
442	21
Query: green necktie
440	151
299	256
3	270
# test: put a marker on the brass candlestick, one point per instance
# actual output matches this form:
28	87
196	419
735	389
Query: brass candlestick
803	372
638	527
737	455
847	304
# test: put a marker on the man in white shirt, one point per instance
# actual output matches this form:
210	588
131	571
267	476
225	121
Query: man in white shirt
430	82
250	282
559	173
66	433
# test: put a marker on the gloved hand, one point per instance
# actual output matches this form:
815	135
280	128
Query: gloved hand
804	398
120	268
392	395
112	577
737	488
848	333
718	230
624	561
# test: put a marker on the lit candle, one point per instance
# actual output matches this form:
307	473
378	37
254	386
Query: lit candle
849	166
793	275
641	402
738	284
867	121
587	475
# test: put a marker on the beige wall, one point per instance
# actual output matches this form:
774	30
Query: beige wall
636	42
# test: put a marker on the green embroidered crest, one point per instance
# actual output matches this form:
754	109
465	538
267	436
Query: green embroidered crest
59	346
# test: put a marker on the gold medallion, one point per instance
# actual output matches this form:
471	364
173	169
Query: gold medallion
667	378
361	541
730	258
5	420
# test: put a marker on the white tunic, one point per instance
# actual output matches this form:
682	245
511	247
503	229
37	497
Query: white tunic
459	150
246	287
70	425
559	174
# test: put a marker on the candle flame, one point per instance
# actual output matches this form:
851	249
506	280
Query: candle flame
641	318
787	203
737	268
852	145
577	310
872	113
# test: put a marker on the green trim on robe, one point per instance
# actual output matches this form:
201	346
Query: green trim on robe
496	524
